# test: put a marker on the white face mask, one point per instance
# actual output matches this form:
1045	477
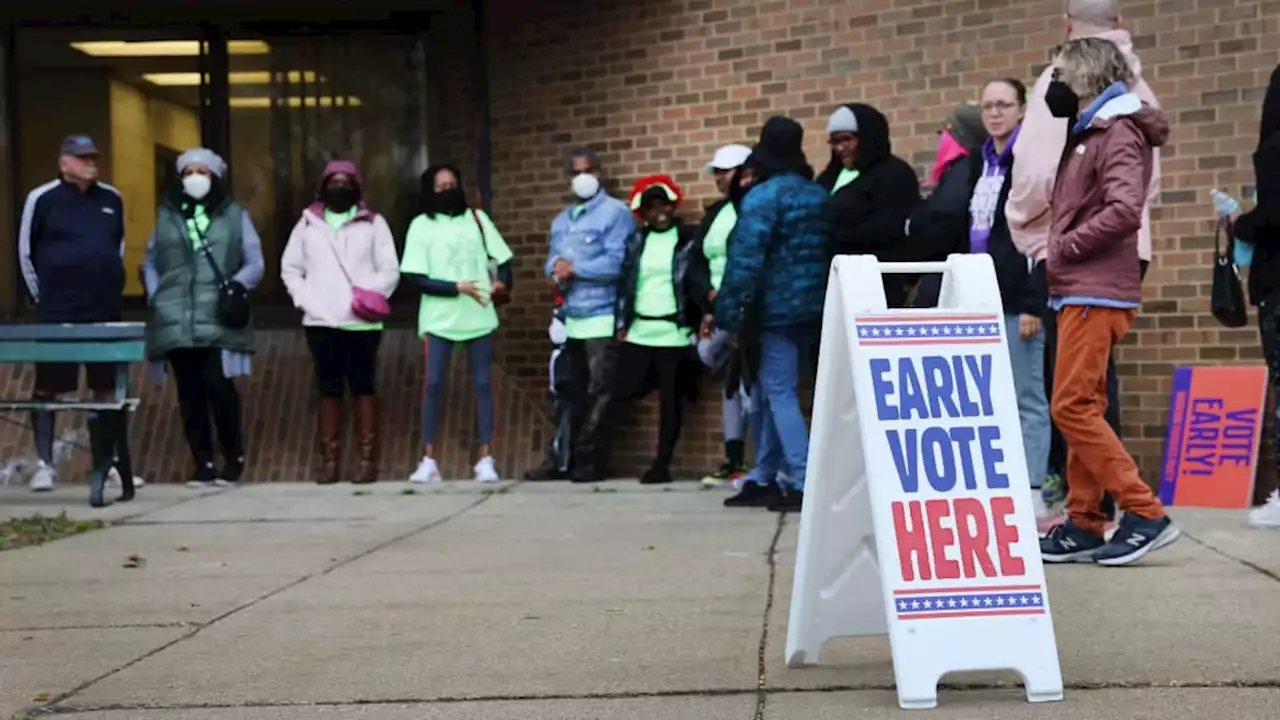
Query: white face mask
196	185
585	185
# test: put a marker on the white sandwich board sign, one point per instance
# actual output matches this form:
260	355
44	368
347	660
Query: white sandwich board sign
917	518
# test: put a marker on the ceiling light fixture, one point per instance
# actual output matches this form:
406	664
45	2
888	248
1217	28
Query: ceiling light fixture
262	102
252	77
164	48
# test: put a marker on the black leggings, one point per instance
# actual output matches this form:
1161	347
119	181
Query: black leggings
202	387
640	368
344	358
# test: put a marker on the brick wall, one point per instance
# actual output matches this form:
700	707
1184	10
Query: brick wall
279	418
657	86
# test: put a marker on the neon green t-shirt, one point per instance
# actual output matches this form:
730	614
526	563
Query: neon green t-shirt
335	221
451	249
847	175
716	244
656	294
591	328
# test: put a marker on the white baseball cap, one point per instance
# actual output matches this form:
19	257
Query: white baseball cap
729	157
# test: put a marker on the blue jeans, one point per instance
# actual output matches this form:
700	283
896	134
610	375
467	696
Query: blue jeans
1027	358
779	427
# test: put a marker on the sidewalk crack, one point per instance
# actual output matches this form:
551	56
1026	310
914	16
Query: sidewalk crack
762	663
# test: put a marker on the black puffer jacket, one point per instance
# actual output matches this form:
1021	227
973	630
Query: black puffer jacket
690	278
1022	282
1261	225
869	215
940	226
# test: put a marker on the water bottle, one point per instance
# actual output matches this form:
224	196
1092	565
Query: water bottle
1223	204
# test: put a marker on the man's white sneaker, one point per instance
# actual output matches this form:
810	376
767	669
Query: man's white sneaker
113	480
42	480
486	472
427	472
1267	516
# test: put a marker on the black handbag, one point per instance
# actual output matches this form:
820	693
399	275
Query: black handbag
233	298
1226	297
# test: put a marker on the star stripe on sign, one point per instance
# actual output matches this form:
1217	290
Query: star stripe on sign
969	604
988	331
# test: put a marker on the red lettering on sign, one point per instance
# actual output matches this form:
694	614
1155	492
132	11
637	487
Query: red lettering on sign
941	538
913	544
975	541
924	539
1006	536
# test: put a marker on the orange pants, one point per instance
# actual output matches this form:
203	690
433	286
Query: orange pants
1097	462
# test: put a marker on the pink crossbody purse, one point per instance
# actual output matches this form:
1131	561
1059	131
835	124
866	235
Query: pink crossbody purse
366	304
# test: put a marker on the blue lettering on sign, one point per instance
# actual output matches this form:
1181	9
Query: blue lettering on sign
957	387
944	391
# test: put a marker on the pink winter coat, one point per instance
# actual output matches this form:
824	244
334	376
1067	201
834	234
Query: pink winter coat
314	278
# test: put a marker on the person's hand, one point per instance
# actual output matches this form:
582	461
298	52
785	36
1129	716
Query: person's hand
562	270
499	286
708	326
621	335
1028	326
470	290
711	296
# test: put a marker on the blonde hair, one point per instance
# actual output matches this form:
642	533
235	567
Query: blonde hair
1091	65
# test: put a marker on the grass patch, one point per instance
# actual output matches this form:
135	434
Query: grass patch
38	530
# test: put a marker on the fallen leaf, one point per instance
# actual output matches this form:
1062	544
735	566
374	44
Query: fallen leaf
133	562
183	548
41	697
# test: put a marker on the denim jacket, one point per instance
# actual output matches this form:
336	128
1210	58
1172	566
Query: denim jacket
594	239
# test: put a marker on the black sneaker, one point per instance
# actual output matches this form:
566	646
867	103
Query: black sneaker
656	476
755	495
203	477
1134	538
792	501
231	472
1067	543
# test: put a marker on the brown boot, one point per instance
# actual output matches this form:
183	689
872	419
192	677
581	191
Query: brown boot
330	437
367	437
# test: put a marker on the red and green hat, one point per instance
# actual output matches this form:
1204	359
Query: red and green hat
651	184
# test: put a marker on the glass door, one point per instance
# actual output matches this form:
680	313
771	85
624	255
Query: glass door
318	94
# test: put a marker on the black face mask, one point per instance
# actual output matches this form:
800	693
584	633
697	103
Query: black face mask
340	198
1062	100
451	201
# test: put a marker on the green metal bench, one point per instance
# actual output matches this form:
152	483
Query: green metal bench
121	343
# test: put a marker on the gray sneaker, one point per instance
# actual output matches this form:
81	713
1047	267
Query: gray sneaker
1134	538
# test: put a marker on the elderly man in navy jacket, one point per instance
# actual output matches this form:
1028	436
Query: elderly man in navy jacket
70	249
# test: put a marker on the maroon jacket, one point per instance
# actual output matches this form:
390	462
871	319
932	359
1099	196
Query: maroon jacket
1097	202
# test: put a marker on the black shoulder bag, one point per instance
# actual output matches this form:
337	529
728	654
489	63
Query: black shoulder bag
233	298
1226	297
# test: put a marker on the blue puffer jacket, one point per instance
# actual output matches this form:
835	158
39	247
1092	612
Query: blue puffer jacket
593	236
779	256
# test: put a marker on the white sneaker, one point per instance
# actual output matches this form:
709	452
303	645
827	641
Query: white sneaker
1267	516
427	472
113	480
42	480
486	472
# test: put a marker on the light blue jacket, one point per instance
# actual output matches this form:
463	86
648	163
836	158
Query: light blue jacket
592	236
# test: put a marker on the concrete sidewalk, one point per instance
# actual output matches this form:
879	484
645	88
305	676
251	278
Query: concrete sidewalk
558	602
